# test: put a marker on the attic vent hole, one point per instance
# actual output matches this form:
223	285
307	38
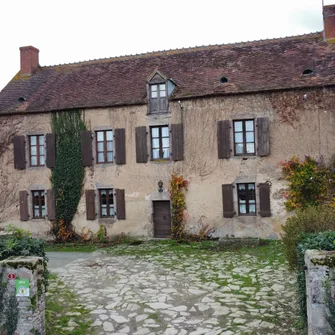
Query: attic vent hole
22	99
307	72
224	80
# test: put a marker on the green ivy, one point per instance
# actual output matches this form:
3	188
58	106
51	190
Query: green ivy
67	176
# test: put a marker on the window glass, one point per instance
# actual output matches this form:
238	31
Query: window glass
162	94
42	161
249	125
155	154
41	149
155	143
153	88
165	131
244	137
33	151
33	160
104	146
165	142
109	135
33	140
238	125
109	146
162	87
246	198
250	148
238	137
101	157
110	156
154	94
239	148
166	153
100	146
250	137
155	132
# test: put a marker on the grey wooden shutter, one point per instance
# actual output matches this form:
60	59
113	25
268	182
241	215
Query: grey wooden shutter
120	204
264	199
86	148
23	199
51	150
90	204
141	144
177	133
51	205
228	202
120	146
19	152
263	142
223	134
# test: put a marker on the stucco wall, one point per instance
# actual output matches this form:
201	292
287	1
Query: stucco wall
298	126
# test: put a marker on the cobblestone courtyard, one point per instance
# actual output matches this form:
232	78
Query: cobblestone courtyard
157	289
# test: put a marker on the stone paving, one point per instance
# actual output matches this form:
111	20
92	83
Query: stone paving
175	293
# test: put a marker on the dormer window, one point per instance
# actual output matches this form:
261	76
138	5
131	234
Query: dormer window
158	98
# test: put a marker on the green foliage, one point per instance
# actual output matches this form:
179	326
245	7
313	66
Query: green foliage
101	235
316	241
310	220
311	183
67	176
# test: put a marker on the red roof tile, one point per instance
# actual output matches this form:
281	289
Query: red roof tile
250	67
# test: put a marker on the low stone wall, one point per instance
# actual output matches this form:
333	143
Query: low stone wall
23	311
320	268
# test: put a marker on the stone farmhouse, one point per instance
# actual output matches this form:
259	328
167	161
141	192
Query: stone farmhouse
222	116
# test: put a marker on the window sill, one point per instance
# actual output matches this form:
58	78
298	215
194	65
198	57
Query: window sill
38	220
160	161
158	113
42	167
107	220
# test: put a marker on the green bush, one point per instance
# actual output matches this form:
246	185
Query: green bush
309	220
316	241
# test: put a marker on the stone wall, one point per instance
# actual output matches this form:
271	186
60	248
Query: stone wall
320	268
31	309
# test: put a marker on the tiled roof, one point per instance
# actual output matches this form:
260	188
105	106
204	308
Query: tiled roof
250	67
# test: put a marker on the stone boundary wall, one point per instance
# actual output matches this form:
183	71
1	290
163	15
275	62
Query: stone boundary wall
320	266
30	310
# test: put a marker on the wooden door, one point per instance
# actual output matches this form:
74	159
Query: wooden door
162	218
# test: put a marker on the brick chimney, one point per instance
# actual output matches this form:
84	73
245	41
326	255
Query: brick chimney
329	23
29	60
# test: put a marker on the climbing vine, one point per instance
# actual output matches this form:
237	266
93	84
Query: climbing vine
67	177
178	186
311	183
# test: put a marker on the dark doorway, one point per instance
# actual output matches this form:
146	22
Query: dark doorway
162	218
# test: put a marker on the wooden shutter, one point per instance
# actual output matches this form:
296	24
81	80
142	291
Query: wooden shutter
177	133
86	148
228	202
51	205
23	199
223	133
90	204
263	142
51	150
120	204
264	199
19	152
120	146
141	144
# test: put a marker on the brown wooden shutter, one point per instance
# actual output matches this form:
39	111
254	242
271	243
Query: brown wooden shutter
23	199
86	148
223	133
228	202
177	133
51	205
141	144
120	146
264	199
90	204
19	152
120	204
51	150
263	142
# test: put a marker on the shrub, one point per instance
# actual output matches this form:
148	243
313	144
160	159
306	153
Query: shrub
316	241
310	220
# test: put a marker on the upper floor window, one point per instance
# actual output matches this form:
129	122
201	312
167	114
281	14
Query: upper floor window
246	199
158	98
38	204
160	143
104	143
244	137
36	150
106	203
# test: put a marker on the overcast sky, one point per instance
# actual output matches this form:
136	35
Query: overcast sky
68	31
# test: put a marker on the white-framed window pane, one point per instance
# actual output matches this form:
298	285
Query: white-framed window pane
162	87
243	209
109	146
154	88
154	132
41	149
100	146
238	126
101	157
100	136
239	148
41	139
250	137
165	142
33	140
162	94
238	138
103	210
42	161
110	156
109	135
155	143
111	211
250	148
153	94
33	150
33	160
166	153
165	131
249	125
155	154
252	208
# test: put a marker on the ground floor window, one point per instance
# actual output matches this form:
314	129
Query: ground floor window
106	203
246	199
38	204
